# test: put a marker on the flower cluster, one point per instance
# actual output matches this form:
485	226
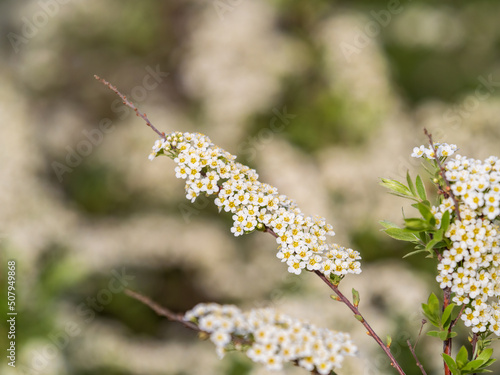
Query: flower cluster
470	266
271	338
254	205
443	150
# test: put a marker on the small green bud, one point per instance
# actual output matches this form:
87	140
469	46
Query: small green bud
335	279
355	297
359	317
260	227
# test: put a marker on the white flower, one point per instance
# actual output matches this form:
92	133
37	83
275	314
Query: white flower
220	338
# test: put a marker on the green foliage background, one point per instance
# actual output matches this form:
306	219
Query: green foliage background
231	65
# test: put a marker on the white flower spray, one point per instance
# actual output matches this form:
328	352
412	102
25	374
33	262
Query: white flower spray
470	266
254	205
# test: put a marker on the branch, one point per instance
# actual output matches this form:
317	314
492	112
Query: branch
412	349
356	312
442	173
178	318
162	311
458	317
129	104
474	345
447	343
358	315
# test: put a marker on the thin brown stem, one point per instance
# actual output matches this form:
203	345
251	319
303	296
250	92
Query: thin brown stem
412	349
474	345
442	172
447	343
129	104
358	315
419	333
162	311
458	317
356	312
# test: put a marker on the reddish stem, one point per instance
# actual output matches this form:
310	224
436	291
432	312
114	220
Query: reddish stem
447	342
442	172
356	312
129	104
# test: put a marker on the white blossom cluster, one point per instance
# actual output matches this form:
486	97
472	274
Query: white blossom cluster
272	338
255	205
443	150
470	266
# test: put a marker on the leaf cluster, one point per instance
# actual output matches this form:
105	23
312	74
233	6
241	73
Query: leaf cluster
462	365
421	231
442	320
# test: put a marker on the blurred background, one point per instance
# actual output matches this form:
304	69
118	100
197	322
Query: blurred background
321	97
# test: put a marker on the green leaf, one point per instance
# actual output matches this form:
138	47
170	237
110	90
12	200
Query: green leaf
489	362
462	357
445	221
485	355
410	184
433	303
451	364
443	335
417	224
432	319
433	333
355	297
446	317
388	224
438	236
430	245
415	253
389	341
425	210
432	311
397	187
401	234
472	366
421	188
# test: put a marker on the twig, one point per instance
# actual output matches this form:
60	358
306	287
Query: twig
442	173
356	312
419	333
162	311
129	104
358	315
458	317
474	344
412	349
447	343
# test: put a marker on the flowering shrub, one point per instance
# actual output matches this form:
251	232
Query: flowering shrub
470	266
460	231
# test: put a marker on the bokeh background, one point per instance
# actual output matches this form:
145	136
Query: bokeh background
322	97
